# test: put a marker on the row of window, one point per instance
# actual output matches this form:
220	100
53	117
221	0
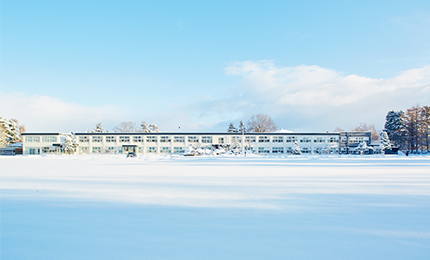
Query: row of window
357	139
193	139
290	150
139	150
45	139
207	139
180	150
149	139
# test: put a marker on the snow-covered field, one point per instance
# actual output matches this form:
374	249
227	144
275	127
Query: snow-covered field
156	207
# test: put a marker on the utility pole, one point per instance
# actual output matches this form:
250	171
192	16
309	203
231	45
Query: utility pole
243	133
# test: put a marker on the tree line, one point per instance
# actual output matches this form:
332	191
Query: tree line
10	131
260	123
409	130
128	127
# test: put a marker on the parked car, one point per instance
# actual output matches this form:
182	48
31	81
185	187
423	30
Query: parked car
131	154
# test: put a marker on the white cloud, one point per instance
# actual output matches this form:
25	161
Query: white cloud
310	97
301	98
49	114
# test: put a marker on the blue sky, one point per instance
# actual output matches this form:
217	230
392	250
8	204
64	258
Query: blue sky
311	65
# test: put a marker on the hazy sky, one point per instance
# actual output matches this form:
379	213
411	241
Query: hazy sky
311	65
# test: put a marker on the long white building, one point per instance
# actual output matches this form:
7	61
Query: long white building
177	143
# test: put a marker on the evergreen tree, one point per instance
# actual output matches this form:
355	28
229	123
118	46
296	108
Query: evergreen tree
361	148
191	150
385	141
3	136
241	128
395	126
296	149
9	132
153	128
69	144
99	128
231	128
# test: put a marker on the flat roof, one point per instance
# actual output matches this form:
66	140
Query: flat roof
346	133
201	133
40	133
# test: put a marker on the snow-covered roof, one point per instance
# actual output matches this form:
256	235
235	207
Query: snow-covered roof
282	130
15	145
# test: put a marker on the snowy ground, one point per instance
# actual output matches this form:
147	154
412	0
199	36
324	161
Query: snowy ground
155	207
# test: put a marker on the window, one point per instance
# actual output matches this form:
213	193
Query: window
333	139
32	139
165	150
206	139
140	149
151	139
305	140
250	139
84	139
263	150
32	150
179	139
291	139
288	150
319	140
263	139
111	139
357	139
237	139
352	140
220	140
193	139
124	139
151	150
278	150
165	139
178	149
305	150
84	149
49	139
97	139
111	149
96	149
138	139
278	139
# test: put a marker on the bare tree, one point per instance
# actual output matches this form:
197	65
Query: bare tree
261	123
144	128
425	126
154	128
21	128
410	130
125	127
368	128
338	129
412	127
374	133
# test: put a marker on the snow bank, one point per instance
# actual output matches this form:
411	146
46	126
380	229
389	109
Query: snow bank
222	207
229	181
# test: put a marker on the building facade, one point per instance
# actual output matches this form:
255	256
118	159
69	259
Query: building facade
177	143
